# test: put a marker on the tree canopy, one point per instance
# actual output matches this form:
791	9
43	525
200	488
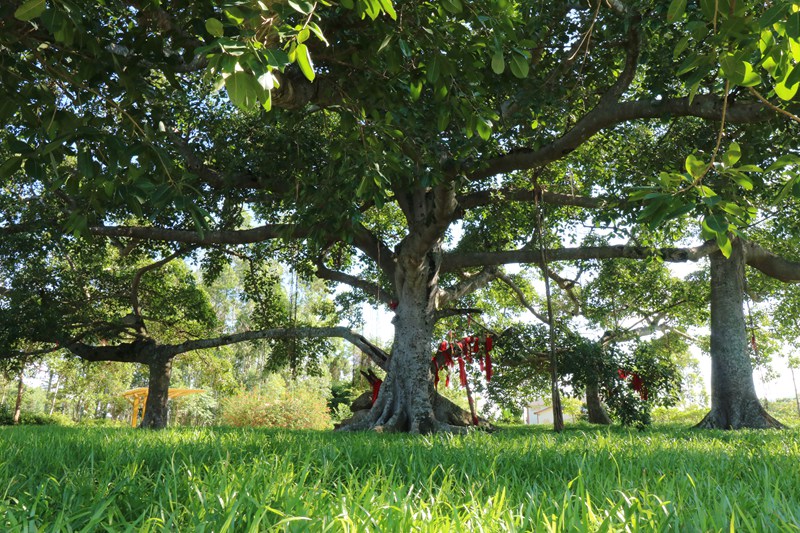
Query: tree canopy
409	150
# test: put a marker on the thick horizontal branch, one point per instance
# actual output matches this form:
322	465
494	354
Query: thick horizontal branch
370	289
771	264
501	196
244	236
380	357
374	248
607	115
523	300
138	351
445	313
456	261
146	351
467	286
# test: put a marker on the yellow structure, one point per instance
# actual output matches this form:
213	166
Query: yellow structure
138	397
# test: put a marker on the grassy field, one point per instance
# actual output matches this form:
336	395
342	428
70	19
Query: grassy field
521	479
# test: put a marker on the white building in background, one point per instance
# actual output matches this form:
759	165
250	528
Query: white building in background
538	413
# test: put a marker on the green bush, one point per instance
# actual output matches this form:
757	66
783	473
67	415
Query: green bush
6	416
673	415
40	419
293	407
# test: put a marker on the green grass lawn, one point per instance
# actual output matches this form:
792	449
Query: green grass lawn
519	479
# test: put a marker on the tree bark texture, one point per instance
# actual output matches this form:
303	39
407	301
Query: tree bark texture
407	400
155	416
597	414
734	403
18	405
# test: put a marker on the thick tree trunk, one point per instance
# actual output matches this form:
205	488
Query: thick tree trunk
155	415
597	414
407	400
734	403
18	406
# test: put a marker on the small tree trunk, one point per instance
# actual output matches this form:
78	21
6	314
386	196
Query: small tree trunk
597	415
734	404
18	406
55	394
155	415
796	397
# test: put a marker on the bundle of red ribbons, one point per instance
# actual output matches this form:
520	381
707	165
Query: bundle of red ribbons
636	382
463	352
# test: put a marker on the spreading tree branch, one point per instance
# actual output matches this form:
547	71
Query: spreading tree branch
460	260
609	114
372	290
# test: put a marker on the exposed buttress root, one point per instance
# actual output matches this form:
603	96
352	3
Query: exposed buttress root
753	417
390	415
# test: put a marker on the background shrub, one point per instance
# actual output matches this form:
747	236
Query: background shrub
295	406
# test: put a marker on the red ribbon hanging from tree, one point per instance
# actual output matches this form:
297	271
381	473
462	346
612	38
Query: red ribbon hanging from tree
462	371
376	388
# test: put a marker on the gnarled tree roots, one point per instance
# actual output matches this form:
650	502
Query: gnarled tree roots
391	414
751	415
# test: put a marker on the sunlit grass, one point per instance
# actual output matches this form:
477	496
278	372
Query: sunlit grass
520	479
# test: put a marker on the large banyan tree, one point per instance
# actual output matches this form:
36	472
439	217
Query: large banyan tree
411	150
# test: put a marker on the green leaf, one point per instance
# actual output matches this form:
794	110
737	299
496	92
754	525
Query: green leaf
215	27
484	127
676	10
243	90
30	10
733	155
303	35
314	27
739	72
695	167
388	8
443	120
519	65
793	78
85	166
300	6
773	15
679	211
682	45
10	166
434	68
742	179
453	6
784	161
498	63
415	89
793	25
716	223
724	244
304	62
784	91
